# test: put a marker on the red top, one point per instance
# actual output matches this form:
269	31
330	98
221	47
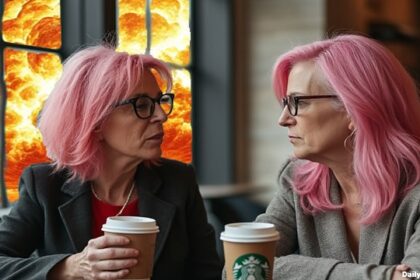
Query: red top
102	210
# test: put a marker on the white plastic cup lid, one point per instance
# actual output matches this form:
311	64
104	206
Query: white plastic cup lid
250	233
130	224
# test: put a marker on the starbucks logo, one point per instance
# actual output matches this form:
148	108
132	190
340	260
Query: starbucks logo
251	267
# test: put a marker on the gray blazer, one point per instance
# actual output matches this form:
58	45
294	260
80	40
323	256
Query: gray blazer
53	218
316	247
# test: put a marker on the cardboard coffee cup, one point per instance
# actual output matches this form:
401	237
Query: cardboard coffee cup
142	233
249	250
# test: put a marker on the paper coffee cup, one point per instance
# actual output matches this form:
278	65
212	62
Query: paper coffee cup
142	233
249	250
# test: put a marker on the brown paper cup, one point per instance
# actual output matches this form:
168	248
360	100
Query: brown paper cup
142	234
249	250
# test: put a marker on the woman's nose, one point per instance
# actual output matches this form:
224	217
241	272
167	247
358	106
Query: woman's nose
159	114
285	119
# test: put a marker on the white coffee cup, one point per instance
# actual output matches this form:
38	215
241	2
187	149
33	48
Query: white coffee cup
142	234
249	250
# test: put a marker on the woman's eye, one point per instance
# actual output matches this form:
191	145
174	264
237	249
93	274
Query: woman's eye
142	105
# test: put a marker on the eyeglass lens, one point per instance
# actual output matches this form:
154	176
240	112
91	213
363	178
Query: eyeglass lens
290	102
166	103
145	105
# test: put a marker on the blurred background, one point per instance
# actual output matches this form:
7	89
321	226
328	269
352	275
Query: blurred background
221	52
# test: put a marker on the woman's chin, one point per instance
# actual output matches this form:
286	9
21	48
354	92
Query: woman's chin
299	154
302	154
156	155
152	154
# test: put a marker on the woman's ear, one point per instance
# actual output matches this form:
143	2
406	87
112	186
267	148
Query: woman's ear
351	126
350	123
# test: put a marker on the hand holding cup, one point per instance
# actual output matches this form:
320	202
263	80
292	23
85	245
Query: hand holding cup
142	233
105	257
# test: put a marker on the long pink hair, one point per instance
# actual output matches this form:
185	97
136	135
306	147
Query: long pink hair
382	100
94	79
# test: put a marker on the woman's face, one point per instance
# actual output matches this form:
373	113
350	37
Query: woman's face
251	269
320	127
125	135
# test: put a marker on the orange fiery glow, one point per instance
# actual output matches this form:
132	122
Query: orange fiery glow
32	22
171	43
171	34
29	78
178	136
132	33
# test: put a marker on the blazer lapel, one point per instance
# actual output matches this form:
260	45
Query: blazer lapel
150	205
331	229
373	239
76	213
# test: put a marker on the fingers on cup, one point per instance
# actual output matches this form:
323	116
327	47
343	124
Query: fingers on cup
108	241
112	274
115	264
118	253
112	253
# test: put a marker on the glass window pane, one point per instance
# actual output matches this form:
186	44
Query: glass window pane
170	28
132	33
178	136
33	23
29	78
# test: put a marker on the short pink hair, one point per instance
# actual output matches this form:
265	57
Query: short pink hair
382	100
94	79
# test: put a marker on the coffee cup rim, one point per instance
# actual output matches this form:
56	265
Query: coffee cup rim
130	225
250	233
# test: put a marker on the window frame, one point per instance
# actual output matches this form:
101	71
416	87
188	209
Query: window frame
213	112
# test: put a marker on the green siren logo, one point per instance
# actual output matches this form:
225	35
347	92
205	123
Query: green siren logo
251	267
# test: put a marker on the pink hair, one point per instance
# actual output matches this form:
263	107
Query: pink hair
93	80
382	100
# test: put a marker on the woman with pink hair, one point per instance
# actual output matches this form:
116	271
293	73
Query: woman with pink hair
348	206
102	127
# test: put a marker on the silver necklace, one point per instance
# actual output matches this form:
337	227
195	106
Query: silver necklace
125	203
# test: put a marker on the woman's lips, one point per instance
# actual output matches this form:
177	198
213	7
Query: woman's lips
156	137
293	138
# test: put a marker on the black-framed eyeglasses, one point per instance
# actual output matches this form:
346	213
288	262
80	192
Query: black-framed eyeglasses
292	101
144	105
